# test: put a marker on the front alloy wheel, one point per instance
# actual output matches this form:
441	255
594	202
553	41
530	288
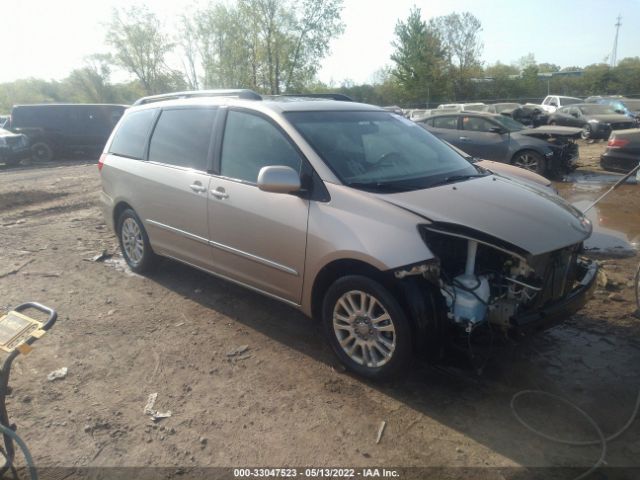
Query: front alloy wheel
366	327
530	160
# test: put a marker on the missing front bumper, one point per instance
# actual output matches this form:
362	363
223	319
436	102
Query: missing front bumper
559	310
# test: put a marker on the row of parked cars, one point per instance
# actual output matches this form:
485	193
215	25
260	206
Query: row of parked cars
539	137
44	132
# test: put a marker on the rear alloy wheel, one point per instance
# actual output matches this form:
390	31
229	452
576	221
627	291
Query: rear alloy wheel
134	242
41	152
366	327
531	161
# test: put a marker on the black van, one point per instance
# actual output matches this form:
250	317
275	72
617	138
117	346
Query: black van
63	129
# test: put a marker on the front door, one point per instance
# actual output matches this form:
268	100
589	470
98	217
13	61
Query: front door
258	238
477	139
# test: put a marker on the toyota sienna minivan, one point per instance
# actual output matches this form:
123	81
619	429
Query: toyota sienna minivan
354	215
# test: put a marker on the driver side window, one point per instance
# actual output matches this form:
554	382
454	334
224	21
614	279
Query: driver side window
476	124
251	142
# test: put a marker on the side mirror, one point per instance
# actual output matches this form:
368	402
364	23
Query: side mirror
574	114
279	179
498	130
620	111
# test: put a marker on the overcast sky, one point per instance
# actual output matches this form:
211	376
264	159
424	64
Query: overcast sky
49	38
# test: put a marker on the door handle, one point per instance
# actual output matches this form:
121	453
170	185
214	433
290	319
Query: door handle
219	193
197	187
464	138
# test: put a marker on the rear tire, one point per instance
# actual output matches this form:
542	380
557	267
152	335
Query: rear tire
367	328
134	243
41	152
530	160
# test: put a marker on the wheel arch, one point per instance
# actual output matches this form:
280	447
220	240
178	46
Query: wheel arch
120	207
528	148
417	297
336	269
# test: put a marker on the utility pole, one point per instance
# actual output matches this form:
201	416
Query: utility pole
614	52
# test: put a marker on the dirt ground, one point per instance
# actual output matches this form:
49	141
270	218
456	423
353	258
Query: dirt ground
284	401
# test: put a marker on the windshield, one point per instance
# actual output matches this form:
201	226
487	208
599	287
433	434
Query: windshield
569	100
597	109
509	123
380	151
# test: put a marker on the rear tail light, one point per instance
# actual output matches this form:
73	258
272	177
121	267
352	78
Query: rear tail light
103	157
617	142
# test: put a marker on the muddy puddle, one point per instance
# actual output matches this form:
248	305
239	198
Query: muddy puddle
616	218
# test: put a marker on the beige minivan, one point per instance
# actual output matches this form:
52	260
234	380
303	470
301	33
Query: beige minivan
354	215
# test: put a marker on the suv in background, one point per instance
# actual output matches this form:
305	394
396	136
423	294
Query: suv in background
624	106
553	102
64	129
352	214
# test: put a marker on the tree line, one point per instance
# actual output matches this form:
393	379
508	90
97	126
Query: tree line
276	46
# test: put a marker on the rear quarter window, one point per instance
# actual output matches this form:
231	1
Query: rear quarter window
130	139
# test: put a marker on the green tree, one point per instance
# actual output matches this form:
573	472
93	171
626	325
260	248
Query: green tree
548	67
420	65
140	47
460	35
268	45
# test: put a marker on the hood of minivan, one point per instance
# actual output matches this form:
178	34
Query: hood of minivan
526	217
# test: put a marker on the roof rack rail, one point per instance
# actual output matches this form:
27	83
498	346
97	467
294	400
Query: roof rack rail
329	96
236	93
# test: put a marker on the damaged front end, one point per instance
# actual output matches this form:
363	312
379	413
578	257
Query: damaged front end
483	280
562	142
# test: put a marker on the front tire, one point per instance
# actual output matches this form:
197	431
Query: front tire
530	160
134	242
41	152
367	328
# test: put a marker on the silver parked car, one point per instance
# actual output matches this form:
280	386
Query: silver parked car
350	213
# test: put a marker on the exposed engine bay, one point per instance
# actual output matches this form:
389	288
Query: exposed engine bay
562	140
483	283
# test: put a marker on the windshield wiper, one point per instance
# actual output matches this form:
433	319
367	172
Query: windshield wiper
379	186
456	178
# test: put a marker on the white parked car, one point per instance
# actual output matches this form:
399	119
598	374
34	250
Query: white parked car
552	102
460	107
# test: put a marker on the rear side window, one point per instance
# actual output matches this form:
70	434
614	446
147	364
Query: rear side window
131	138
182	137
450	123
